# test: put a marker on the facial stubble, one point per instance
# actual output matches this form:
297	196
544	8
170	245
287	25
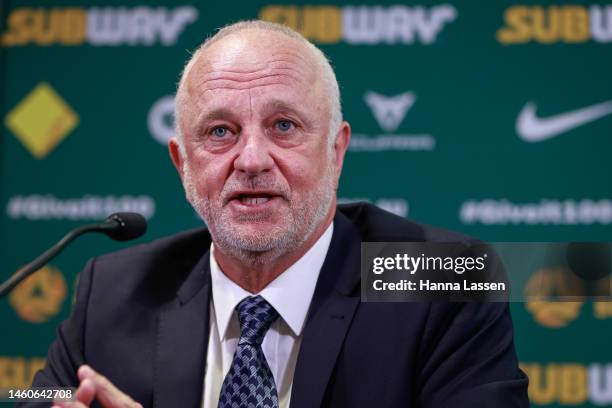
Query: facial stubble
248	245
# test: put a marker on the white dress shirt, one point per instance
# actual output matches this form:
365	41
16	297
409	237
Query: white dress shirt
290	294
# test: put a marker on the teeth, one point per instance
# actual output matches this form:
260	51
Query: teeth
254	200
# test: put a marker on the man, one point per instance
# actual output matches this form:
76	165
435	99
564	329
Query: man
263	308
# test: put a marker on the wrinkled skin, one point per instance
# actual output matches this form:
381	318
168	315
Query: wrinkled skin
258	164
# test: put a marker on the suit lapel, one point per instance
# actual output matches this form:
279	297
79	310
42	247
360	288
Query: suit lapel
182	341
333	305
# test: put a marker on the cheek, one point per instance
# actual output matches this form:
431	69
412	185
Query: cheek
304	171
209	173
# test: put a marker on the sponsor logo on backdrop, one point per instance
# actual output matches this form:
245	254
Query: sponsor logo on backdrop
97	26
160	119
368	25
565	383
40	296
556	315
553	315
90	207
569	383
397	206
570	24
560	282
543	212
532	128
41	120
18	371
389	112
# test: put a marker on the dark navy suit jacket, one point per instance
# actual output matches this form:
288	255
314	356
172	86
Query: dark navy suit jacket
142	319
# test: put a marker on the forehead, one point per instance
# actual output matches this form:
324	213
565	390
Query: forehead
254	63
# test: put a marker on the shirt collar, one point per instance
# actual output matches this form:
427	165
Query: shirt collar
290	293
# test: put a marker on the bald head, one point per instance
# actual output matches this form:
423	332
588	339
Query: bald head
249	45
260	146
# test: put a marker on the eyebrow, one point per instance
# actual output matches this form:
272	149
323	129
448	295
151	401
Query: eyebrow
214	114
221	113
278	105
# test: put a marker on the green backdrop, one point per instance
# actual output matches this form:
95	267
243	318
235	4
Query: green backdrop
490	118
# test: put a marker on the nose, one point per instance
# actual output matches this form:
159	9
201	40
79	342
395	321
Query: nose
254	157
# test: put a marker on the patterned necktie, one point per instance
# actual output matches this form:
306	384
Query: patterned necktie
249	382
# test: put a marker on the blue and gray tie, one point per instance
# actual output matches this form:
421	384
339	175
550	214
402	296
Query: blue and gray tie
249	382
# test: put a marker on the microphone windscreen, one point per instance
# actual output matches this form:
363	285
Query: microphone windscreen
129	226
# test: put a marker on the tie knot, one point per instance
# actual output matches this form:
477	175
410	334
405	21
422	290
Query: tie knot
255	315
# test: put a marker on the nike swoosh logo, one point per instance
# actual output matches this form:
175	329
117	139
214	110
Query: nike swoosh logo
532	129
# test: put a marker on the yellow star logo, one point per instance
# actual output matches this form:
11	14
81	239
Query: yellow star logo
41	120
40	296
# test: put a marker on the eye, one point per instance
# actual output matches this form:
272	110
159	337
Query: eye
284	125
220	132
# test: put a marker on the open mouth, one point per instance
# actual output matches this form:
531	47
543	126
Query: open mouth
253	198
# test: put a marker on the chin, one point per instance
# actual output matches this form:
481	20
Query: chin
260	232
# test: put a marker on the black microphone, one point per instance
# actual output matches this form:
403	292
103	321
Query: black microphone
126	226
119	227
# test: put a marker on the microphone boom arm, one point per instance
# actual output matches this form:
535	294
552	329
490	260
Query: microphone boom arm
51	253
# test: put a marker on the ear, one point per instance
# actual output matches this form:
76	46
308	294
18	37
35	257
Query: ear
343	138
176	155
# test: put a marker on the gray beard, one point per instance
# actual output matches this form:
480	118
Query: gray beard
264	248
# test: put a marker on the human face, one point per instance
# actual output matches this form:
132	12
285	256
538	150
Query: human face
258	164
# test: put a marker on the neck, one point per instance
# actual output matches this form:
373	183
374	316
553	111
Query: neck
257	273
